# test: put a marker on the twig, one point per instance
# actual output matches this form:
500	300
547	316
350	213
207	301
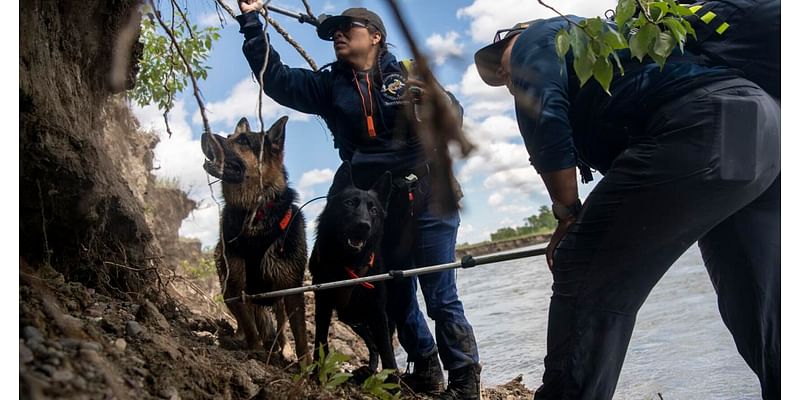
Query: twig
308	9
183	17
645	11
291	41
166	123
569	21
282	32
44	224
197	96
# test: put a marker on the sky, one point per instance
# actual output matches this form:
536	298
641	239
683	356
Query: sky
501	187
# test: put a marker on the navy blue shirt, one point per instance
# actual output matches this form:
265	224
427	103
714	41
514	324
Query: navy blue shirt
564	125
344	97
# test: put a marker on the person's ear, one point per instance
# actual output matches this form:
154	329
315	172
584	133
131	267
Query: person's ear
376	38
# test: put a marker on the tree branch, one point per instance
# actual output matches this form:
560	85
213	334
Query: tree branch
291	41
197	96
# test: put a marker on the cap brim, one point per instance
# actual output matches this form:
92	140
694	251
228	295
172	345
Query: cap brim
328	26
487	60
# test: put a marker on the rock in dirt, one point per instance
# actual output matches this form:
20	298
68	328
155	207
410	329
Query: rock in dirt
31	334
121	344
169	393
132	328
148	312
25	354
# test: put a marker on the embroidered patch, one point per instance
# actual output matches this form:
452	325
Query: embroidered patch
393	87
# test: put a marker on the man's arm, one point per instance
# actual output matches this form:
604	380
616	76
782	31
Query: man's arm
298	88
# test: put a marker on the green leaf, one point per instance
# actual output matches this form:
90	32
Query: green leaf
562	43
594	26
624	12
615	40
664	45
583	66
603	72
678	31
619	63
579	41
689	28
658	10
642	41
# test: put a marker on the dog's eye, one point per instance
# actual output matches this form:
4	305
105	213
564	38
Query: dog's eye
350	202
243	140
373	210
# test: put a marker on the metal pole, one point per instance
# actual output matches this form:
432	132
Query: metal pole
298	16
466	262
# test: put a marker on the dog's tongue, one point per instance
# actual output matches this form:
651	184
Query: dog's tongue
355	243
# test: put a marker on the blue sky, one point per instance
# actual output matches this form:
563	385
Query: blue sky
500	186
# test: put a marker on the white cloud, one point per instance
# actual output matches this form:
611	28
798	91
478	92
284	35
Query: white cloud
495	199
523	180
489	16
209	19
444	47
312	178
180	157
242	101
479	99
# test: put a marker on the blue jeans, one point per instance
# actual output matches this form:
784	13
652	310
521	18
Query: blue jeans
419	240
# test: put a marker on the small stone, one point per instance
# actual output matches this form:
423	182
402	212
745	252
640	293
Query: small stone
169	393
149	312
91	346
132	328
71	344
25	354
55	361
32	334
136	360
121	344
47	369
62	375
79	382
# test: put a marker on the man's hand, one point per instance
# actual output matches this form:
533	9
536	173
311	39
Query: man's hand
561	230
246	6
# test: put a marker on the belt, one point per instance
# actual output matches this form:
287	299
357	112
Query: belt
410	177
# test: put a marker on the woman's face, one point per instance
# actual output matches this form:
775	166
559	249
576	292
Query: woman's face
353	41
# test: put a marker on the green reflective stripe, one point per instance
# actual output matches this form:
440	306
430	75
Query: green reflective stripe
708	17
408	65
695	8
722	28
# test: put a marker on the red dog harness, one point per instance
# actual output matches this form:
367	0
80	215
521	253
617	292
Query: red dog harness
352	274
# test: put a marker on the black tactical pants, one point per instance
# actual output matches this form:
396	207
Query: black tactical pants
705	169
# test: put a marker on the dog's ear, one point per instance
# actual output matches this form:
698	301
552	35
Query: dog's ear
241	127
383	188
277	134
342	179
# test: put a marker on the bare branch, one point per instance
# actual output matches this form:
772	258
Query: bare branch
308	9
291	41
197	96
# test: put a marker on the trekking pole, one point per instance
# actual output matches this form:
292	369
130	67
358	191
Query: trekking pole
302	18
466	262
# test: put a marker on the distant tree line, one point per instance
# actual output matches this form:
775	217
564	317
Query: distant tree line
540	223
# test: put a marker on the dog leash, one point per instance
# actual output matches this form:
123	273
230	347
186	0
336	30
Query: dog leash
289	225
466	262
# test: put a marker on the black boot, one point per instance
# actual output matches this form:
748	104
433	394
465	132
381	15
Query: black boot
427	376
463	384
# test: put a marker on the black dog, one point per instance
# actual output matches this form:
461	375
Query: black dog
349	232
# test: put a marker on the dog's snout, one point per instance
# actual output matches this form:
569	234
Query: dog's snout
363	227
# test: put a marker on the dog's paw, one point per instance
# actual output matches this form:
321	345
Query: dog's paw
361	374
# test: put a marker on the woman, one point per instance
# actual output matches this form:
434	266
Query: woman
361	97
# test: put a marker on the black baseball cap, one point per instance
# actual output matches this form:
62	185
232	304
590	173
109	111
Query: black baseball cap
488	58
328	25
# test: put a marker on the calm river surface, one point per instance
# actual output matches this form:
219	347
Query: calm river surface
680	346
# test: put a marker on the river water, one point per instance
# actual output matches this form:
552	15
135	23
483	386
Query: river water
680	346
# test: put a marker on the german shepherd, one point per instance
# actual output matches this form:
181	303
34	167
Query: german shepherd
349	233
263	245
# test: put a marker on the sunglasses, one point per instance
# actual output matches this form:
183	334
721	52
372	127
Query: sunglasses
347	25
503	33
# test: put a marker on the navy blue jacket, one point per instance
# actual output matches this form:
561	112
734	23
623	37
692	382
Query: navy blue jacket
564	125
343	97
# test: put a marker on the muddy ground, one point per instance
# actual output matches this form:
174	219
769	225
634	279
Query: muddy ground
76	343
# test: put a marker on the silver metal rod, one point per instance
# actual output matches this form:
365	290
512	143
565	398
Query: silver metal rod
298	16
466	262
